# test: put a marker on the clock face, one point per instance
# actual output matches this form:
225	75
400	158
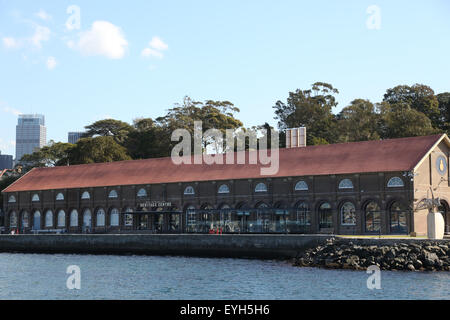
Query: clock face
441	165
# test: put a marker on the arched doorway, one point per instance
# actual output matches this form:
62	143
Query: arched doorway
87	219
372	216
325	216
37	220
398	213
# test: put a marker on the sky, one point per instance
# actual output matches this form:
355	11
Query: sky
78	61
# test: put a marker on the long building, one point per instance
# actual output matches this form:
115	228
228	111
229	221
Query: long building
372	187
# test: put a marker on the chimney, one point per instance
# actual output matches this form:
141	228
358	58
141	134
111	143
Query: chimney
296	137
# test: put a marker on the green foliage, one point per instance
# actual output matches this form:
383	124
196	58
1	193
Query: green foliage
117	129
312	109
55	154
98	149
444	111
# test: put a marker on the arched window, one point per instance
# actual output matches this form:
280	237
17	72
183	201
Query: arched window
87	218
142	193
114	218
224	189
13	220
325	216
261	187
35	198
74	218
303	215
398	214
395	182
191	218
37	220
12	199
372	217
61	218
49	219
189	190
348	214
100	218
128	217
345	184
113	194
301	186
25	219
59	196
85	195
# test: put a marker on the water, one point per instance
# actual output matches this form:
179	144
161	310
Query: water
43	276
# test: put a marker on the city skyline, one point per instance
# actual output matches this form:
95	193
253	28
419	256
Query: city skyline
161	52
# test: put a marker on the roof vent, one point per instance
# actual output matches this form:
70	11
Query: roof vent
296	137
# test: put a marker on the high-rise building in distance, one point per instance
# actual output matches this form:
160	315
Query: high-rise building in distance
74	137
6	161
31	134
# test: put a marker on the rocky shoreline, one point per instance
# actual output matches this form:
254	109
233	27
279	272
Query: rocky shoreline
338	254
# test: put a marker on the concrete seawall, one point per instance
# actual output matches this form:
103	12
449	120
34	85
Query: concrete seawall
239	246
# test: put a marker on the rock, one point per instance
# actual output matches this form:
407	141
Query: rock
430	258
410	267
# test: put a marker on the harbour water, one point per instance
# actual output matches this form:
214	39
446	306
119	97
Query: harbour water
43	276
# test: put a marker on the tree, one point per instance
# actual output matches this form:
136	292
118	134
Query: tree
97	150
358	122
444	111
312	109
55	154
400	120
117	129
420	97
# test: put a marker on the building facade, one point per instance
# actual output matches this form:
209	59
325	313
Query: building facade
73	137
6	161
359	188
31	134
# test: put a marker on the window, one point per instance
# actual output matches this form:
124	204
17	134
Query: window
348	214
13	220
373	217
49	219
74	218
346	184
261	187
12	199
224	189
100	218
395	182
398	213
129	217
113	194
35	198
189	190
301	186
303	214
325	216
85	195
61	218
60	196
142	193
37	220
191	216
25	219
114	218
87	218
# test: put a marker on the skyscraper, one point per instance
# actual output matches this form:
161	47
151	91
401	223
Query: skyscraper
74	137
31	134
6	161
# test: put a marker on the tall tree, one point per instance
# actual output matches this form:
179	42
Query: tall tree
400	120
444	110
312	109
97	150
420	97
117	129
358	122
55	154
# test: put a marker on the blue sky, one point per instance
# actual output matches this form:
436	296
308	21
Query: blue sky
133	59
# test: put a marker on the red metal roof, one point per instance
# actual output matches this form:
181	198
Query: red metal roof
347	158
